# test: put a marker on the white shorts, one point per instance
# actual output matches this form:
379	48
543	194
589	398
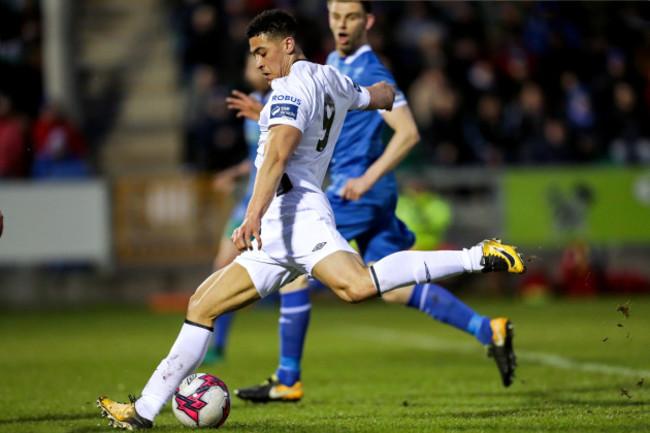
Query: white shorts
298	231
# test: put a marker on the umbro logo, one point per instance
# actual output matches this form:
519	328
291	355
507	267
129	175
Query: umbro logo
318	246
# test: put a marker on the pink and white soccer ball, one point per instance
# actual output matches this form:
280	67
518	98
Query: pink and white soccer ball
201	400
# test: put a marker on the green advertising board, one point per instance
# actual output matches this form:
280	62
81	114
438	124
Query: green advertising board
556	205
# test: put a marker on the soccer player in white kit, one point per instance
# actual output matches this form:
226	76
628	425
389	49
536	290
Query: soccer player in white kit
289	227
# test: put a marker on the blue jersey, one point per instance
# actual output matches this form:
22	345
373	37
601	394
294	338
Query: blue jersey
360	143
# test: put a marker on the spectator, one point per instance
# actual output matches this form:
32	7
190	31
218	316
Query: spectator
214	140
485	131
60	150
201	37
20	54
524	120
554	146
13	141
577	103
626	131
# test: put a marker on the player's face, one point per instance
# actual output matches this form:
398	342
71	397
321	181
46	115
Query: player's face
349	23
271	56
254	77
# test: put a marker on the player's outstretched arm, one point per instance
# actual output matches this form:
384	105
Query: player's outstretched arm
281	142
245	105
382	95
405	137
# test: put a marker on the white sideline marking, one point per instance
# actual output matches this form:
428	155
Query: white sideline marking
425	342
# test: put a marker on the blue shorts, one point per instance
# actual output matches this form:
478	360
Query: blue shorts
375	228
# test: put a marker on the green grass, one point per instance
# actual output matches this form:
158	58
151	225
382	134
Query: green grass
367	368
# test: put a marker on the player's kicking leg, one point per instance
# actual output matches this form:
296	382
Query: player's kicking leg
496	334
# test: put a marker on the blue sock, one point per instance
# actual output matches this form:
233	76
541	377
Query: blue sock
221	330
438	303
295	309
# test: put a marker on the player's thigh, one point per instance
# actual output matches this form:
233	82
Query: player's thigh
345	273
226	290
299	283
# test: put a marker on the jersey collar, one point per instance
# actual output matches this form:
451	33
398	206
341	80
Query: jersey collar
352	57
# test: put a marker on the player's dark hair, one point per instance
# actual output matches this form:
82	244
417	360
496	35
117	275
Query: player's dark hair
367	6
273	23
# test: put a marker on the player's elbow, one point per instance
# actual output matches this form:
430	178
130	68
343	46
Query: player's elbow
411	137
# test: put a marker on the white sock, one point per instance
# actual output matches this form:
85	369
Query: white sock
418	267
185	356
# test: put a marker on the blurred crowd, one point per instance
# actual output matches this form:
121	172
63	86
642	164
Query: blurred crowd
37	139
490	83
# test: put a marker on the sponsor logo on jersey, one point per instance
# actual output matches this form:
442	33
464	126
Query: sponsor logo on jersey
287	98
284	111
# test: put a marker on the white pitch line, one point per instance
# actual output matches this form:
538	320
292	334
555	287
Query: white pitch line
425	342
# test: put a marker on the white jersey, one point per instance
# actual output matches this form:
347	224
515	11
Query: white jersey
314	99
298	229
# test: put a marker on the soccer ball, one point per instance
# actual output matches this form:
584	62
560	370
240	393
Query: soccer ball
201	400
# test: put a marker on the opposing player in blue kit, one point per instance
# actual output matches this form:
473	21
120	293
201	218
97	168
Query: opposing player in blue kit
363	194
289	228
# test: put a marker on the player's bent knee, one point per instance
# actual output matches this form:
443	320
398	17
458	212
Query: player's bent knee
355	293
200	313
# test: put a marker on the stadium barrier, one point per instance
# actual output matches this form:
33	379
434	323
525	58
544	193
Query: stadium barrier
167	219
55	222
158	233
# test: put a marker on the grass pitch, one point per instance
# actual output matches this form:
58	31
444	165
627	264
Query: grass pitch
583	367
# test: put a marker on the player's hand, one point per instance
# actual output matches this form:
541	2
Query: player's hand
243	235
354	188
245	105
